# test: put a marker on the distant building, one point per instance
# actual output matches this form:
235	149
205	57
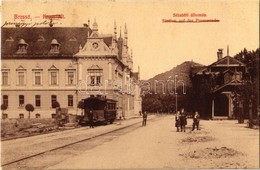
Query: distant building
223	78
43	65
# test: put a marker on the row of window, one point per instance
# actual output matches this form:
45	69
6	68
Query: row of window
37	100
21	116
37	78
94	78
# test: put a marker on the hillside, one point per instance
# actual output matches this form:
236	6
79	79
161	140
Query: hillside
176	76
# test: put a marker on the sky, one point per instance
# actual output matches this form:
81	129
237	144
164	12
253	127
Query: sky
157	46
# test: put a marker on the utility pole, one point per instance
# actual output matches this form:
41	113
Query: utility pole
176	104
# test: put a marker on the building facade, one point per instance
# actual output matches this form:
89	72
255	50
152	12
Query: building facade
221	80
43	65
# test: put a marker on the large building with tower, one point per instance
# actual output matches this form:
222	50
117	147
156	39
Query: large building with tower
42	65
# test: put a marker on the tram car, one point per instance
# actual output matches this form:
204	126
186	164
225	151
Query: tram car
103	109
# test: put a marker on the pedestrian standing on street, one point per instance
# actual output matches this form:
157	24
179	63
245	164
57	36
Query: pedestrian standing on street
144	118
90	118
196	121
177	121
183	120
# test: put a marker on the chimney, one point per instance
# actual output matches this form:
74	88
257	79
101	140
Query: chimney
220	54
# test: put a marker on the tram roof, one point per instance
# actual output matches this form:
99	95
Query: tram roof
101	99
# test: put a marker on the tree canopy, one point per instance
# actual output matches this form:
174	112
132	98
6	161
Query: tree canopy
29	108
55	104
3	107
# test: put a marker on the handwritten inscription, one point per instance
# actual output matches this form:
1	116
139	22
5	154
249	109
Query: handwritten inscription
29	24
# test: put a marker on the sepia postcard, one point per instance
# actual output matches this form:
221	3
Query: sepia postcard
128	84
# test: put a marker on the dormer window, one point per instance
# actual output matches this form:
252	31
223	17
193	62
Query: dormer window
22	47
55	46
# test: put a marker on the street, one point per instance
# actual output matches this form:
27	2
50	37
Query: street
219	144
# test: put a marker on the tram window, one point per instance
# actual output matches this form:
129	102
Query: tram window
95	104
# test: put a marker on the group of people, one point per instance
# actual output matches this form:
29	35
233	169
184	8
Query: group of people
181	121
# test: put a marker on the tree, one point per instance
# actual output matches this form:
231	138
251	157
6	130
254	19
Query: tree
81	106
3	108
202	85
29	108
250	90
55	104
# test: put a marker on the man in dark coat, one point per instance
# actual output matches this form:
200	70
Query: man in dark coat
183	120
144	118
196	121
177	121
90	118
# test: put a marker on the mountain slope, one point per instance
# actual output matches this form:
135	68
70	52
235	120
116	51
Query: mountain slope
175	77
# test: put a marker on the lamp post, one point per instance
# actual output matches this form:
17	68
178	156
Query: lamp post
176	101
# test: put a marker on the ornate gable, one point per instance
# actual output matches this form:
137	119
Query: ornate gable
95	45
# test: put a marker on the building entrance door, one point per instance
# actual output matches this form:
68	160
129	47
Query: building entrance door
221	105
